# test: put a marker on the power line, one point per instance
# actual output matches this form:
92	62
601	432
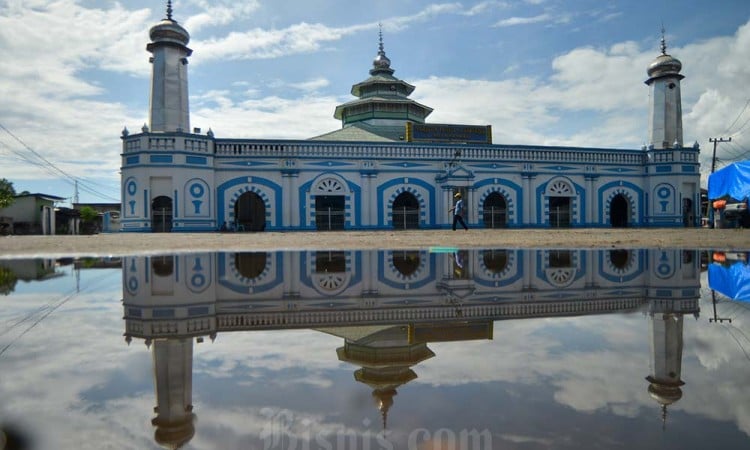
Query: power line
738	116
35	153
53	169
742	128
739	156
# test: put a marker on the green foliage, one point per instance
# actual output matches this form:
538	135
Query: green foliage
7	192
8	281
88	214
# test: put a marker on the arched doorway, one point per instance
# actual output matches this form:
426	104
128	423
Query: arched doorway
405	211
619	211
496	261
688	216
250	213
495	211
250	265
560	197
161	214
406	262
620	259
559	212
162	266
329	212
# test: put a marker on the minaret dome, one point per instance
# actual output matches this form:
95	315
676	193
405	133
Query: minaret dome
664	64
168	30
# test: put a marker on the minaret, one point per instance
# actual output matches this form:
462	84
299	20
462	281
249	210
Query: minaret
173	379
169	84
666	360
665	109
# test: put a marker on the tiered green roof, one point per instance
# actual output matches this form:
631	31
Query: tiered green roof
382	109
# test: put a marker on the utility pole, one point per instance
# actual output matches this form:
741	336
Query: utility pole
715	142
709	209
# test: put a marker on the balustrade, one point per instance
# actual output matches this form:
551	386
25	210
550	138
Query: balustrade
292	149
401	315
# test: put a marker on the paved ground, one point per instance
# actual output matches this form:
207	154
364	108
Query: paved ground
119	244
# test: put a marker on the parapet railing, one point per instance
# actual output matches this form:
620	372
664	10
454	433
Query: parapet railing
192	143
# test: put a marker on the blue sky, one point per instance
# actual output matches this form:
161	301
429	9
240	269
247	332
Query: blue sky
73	73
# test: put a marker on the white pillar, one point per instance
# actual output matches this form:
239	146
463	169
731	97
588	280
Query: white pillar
528	196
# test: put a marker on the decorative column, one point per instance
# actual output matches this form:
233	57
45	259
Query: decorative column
290	194
369	201
447	204
291	264
471	218
528	196
590	197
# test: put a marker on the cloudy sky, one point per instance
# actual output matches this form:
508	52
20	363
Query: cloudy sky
558	382
73	73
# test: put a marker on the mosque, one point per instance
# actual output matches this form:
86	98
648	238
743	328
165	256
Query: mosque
389	306
388	168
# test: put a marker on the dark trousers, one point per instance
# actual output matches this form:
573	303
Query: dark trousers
457	219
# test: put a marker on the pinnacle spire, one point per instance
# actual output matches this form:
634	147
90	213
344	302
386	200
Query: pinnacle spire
381	62
169	9
663	41
381	49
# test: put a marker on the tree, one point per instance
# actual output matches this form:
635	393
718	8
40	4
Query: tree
8	281
88	214
89	217
7	193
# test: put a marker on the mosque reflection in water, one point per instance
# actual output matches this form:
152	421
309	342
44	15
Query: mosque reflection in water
387	306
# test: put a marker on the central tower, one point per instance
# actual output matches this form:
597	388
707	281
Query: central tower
169	109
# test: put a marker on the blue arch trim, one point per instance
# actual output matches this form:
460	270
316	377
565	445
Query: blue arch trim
638	259
624	184
517	268
221	207
514	205
399	181
577	204
430	265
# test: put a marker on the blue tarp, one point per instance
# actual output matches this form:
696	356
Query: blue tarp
732	180
732	281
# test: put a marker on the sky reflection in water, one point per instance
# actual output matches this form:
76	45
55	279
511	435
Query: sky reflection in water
479	348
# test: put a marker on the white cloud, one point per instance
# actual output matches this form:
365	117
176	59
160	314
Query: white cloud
220	13
59	97
311	85
483	7
513	21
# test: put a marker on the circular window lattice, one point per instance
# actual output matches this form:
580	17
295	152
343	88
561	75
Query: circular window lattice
561	276
330	185
331	281
560	187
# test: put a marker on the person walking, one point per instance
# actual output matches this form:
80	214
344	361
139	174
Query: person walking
458	211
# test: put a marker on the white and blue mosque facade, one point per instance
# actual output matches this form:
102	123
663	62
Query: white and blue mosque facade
388	168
